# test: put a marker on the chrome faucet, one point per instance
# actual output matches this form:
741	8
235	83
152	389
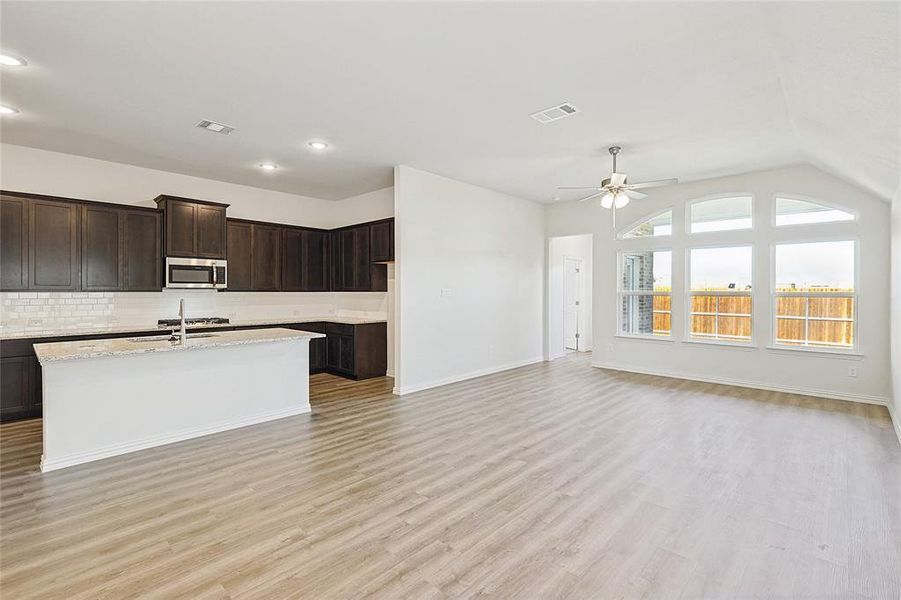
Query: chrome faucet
182	332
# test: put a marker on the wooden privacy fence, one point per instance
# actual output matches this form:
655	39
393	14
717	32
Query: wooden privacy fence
802	319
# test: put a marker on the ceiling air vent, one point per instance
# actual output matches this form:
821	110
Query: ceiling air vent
215	127
554	113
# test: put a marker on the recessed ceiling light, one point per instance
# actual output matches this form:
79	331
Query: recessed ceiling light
317	145
8	110
12	61
268	166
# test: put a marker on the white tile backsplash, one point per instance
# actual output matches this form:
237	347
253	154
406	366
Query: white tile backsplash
48	310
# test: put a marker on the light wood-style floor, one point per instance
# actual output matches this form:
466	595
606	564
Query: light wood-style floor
550	481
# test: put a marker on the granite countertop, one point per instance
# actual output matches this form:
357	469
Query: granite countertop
78	350
34	332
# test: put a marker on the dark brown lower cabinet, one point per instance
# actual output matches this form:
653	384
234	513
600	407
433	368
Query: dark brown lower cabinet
19	388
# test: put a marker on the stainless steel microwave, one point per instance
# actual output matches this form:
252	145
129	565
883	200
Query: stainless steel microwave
196	273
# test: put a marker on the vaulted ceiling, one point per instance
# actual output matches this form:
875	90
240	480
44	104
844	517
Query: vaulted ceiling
690	90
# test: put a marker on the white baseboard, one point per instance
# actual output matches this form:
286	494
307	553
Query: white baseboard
862	398
895	422
169	438
471	375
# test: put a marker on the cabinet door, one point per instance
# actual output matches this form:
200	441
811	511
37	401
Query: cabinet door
318	353
210	231
335	261
361	260
346	253
315	261
13	243
16	398
340	353
239	256
381	241
292	260
266	256
102	258
143	260
181	227
53	246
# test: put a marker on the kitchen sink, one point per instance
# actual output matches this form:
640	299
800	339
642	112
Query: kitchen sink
167	338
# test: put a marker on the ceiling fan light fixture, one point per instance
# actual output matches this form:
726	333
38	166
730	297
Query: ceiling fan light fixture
607	200
621	200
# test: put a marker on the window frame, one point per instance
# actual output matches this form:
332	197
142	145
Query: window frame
774	344
621	234
721	196
621	294
802	198
751	342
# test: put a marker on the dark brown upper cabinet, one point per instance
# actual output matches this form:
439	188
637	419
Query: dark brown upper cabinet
120	249
194	228
314	267
143	241
53	249
254	256
266	273
381	241
304	260
103	247
353	259
13	243
239	256
293	256
352	268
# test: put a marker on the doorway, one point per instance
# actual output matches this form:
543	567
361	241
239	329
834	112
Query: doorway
572	294
569	295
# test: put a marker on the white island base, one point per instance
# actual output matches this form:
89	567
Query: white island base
119	402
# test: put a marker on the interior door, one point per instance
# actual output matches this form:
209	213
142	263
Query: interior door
572	294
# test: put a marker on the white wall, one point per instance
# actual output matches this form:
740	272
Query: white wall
365	207
24	169
559	248
896	311
819	374
486	250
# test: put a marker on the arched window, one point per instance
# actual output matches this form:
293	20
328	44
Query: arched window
654	226
795	211
720	214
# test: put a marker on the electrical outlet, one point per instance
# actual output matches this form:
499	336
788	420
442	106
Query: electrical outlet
852	371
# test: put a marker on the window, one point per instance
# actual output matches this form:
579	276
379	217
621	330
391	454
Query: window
658	225
790	211
814	295
645	293
720	294
721	214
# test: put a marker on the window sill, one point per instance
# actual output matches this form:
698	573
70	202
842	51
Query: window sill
851	354
647	338
723	344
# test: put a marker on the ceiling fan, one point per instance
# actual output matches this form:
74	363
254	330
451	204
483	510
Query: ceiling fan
616	191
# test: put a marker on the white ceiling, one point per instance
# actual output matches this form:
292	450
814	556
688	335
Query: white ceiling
690	90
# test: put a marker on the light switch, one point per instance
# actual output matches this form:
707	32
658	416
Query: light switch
445	292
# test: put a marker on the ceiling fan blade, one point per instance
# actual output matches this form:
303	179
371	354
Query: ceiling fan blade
601	193
593	187
649	184
634	195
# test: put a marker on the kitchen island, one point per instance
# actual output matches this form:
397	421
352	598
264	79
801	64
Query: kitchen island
103	398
